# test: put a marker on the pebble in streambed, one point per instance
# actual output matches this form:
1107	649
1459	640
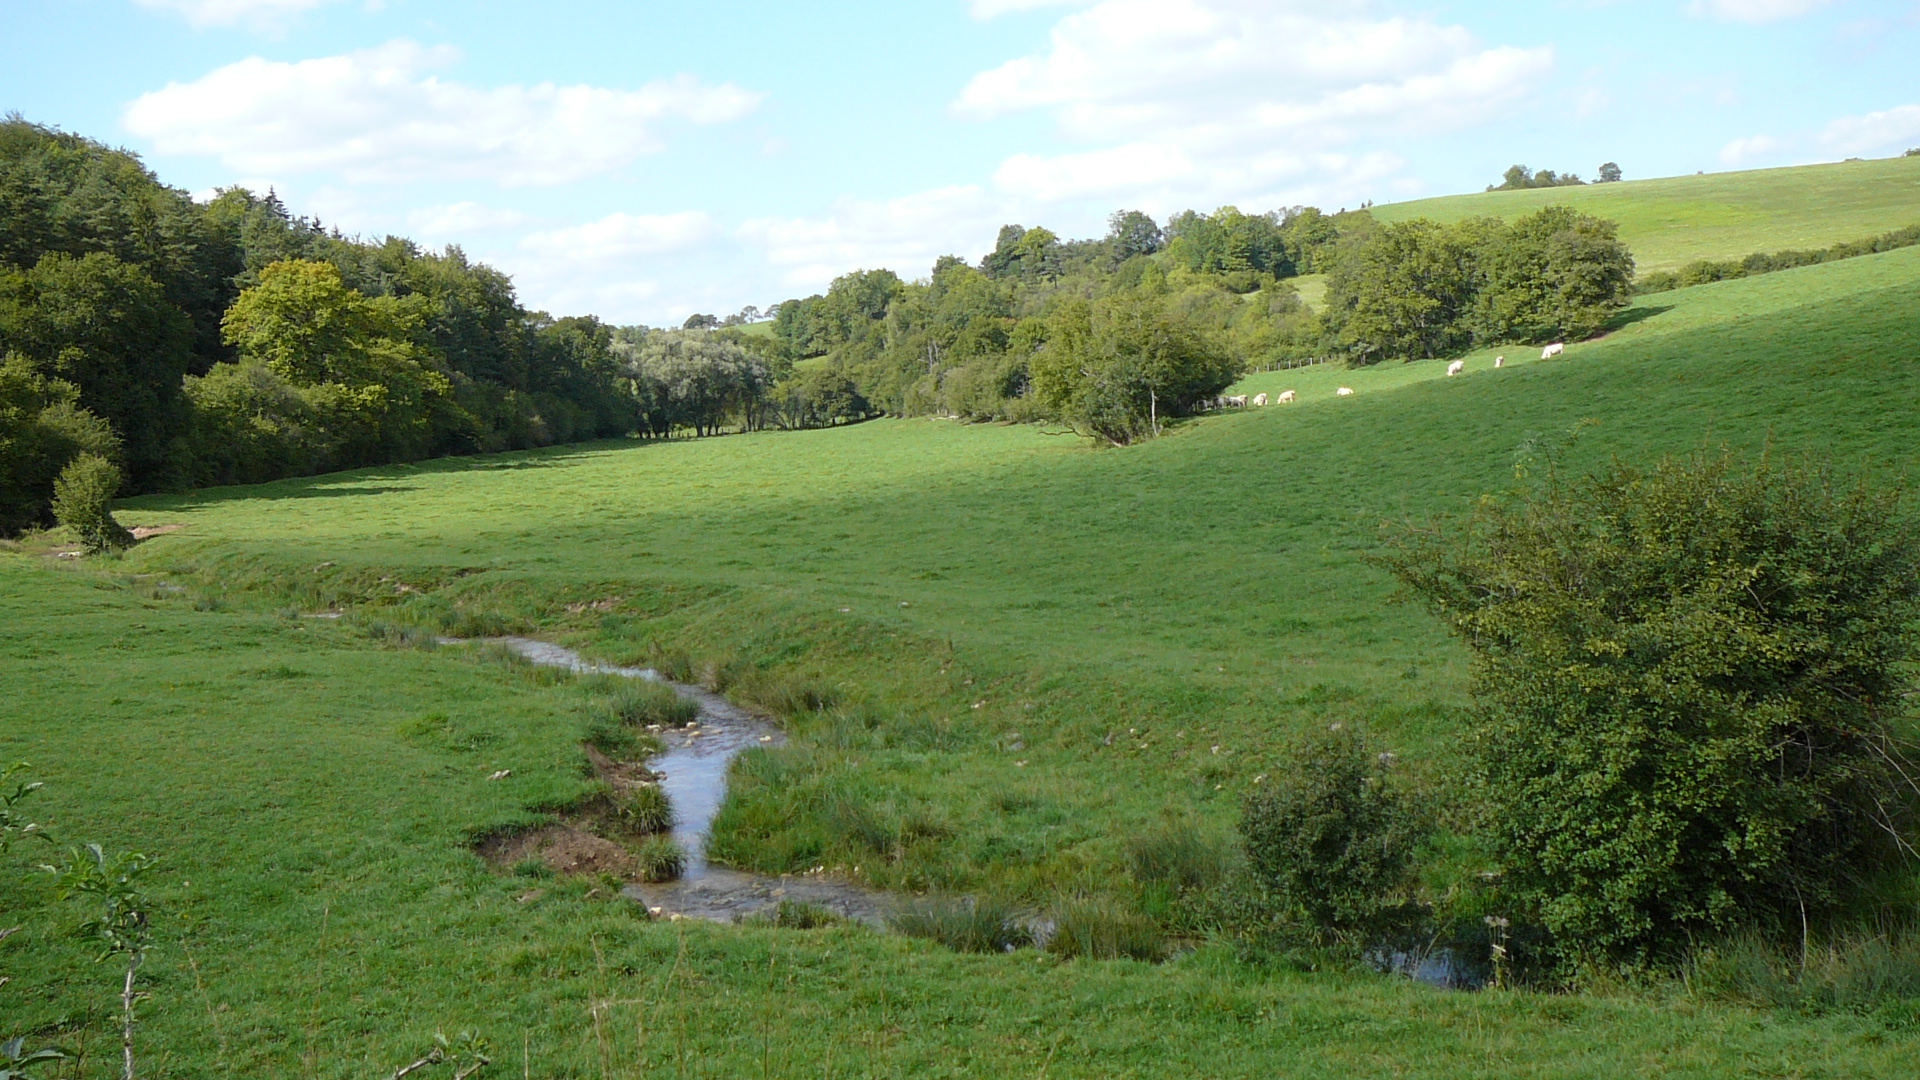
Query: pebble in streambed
693	773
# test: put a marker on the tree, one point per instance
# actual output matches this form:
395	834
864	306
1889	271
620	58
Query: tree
351	356
1686	681
1553	274
106	329
696	381
42	428
1130	233
81	498
1609	174
1115	368
1402	294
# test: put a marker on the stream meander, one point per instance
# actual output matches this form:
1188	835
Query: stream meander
693	773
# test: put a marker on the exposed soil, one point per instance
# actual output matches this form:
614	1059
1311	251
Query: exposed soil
565	849
141	532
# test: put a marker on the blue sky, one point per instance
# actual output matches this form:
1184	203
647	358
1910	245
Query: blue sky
643	161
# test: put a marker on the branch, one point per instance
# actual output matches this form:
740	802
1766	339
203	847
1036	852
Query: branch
434	1058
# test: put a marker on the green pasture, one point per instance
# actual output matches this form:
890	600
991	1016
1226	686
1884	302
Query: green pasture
1673	221
1055	645
1040	648
311	796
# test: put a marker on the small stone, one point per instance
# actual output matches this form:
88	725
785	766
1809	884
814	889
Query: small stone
501	775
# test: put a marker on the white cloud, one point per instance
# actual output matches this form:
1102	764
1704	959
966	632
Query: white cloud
1752	148
1134	67
1239	100
377	116
987	9
456	220
1888	131
261	14
1122	168
904	235
623	237
1755	11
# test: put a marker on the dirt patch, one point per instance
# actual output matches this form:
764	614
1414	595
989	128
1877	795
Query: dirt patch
621	776
565	849
141	532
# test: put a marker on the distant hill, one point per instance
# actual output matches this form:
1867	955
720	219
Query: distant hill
1673	221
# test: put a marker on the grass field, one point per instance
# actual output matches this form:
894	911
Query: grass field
312	795
1041	649
1672	221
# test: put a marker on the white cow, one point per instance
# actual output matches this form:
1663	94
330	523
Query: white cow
1456	368
1259	399
1499	361
1285	398
1553	350
1238	401
1345	391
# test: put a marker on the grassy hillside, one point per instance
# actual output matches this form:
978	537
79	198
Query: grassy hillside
1044	647
311	794
1673	221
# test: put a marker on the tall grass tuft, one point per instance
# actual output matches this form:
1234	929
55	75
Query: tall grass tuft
1877	973
660	859
798	915
645	809
1179	857
640	702
1101	929
962	924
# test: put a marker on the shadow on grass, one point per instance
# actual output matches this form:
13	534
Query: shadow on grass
1640	313
381	479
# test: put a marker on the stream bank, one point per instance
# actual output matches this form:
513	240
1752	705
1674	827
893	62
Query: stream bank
692	771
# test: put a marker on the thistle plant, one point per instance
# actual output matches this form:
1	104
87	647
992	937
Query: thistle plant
121	923
466	1052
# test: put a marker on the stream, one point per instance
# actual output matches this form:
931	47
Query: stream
693	773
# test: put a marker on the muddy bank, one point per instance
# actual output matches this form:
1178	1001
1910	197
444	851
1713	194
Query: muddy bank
692	771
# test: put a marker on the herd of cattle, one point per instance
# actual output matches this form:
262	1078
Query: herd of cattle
1241	401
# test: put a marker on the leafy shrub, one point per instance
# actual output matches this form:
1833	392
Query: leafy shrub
1332	840
80	502
1684	682
962	924
1101	929
660	859
645	809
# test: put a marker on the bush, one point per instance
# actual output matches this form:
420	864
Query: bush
1101	929
963	925
1332	840
660	859
80	502
1684	682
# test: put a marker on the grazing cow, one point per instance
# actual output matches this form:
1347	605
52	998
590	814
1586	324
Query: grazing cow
1238	401
1285	398
1259	399
1456	368
1499	361
1345	391
1553	350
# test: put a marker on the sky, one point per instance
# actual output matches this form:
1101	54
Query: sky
644	161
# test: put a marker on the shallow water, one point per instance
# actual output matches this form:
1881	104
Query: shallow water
693	773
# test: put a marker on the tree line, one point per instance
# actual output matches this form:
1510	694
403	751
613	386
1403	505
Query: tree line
189	344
